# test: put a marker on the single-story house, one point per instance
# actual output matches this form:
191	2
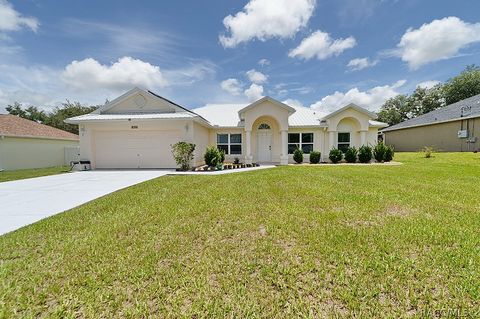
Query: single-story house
453	128
137	129
28	144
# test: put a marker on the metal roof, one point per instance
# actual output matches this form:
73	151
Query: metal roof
91	117
463	109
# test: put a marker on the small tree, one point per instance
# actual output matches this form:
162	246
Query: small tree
315	157
335	155
351	154
183	154
379	152
365	154
298	155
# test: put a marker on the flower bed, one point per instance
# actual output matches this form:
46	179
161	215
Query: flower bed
224	166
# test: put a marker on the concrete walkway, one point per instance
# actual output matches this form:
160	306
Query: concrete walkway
26	201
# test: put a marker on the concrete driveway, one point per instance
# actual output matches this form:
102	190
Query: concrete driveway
26	201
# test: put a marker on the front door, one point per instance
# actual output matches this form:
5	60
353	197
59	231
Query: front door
264	145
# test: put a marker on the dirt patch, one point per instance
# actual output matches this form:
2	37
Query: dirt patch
397	211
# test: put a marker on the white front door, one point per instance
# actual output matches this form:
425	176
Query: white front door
264	145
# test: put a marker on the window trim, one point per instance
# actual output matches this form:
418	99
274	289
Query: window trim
300	143
229	143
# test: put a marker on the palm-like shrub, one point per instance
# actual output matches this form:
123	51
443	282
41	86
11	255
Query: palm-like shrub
335	155
351	154
365	154
315	157
298	155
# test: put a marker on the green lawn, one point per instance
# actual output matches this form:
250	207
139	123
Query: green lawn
307	241
29	173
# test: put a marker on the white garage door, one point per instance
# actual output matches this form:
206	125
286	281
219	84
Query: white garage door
135	149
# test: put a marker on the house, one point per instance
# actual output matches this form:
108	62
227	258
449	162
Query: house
137	129
28	144
453	128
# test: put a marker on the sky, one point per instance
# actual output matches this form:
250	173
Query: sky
320	54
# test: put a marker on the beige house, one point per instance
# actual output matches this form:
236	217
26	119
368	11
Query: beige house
454	128
137	130
28	144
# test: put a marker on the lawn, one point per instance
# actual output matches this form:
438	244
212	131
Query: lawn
303	241
29	173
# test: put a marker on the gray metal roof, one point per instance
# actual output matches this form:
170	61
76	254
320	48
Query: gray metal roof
463	109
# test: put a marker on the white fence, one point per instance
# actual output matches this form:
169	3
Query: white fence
72	153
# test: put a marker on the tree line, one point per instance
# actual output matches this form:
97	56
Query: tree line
54	118
423	100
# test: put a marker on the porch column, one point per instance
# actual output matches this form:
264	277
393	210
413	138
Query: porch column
284	154
363	138
331	139
248	146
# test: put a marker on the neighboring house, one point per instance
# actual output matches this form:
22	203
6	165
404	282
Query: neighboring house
137	130
28	144
453	128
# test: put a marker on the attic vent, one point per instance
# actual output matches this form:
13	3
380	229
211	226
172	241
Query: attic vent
465	110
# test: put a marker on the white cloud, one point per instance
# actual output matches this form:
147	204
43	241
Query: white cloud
428	84
127	72
320	45
266	19
293	102
264	62
256	76
254	92
12	20
360	64
232	86
371	99
437	40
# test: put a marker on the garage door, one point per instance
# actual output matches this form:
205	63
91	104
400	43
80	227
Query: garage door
135	149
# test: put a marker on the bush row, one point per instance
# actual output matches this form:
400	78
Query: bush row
364	154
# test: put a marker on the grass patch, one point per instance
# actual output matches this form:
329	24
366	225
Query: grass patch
6	176
303	241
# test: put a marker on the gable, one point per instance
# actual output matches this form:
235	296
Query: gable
340	118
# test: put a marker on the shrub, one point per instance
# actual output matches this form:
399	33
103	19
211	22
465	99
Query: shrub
389	153
365	154
351	154
298	155
315	157
183	154
213	156
379	152
335	155
236	160
427	151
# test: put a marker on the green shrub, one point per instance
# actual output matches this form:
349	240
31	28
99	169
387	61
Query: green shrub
213	156
389	153
335	155
298	155
351	154
379	152
236	160
315	157
365	154
427	151
183	154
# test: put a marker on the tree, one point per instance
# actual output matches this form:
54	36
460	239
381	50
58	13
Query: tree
16	109
31	113
183	154
424	100
395	110
464	85
68	109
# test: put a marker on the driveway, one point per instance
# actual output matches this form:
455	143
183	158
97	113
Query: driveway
26	201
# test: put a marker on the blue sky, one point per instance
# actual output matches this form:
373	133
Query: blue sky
320	54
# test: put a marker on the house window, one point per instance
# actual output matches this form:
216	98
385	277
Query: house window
264	126
230	143
343	141
303	141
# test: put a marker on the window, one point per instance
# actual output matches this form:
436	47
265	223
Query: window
264	126
230	143
301	140
343	141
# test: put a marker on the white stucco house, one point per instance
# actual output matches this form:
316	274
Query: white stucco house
137	129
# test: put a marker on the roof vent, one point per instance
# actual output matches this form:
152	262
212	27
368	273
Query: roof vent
465	110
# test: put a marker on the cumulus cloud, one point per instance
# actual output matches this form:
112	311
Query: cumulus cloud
320	45
12	20
232	86
125	73
264	62
428	84
266	19
360	64
437	40
256	76
254	92
293	102
370	99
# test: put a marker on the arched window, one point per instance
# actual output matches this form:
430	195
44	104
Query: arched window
264	126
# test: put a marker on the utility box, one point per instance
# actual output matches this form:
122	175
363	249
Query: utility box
462	134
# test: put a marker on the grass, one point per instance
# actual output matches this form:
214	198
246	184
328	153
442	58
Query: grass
6	176
303	241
